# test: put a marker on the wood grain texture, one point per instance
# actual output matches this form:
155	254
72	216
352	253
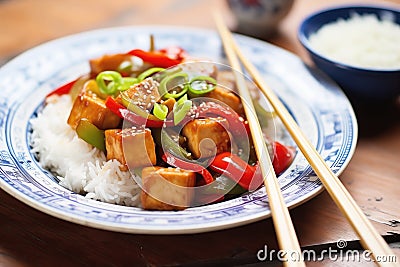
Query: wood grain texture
31	238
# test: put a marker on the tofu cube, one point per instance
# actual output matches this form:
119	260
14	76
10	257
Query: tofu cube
228	97
143	94
167	188
207	137
132	147
87	105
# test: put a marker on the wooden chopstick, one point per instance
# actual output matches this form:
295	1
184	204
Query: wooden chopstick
369	237
284	229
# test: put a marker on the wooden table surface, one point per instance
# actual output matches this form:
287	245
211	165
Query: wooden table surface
31	238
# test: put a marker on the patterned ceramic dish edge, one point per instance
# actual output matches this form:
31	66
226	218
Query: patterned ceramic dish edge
318	105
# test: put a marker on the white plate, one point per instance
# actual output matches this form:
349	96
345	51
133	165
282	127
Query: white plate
319	106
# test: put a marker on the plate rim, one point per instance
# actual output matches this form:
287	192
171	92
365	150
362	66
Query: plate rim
52	211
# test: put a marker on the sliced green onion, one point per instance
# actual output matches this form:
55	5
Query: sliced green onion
127	102
175	94
180	111
182	99
173	81
201	85
112	77
160	111
115	82
127	83
148	73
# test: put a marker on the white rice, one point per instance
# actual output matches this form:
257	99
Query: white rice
80	167
360	41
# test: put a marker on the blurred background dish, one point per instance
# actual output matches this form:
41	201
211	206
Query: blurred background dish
259	18
359	29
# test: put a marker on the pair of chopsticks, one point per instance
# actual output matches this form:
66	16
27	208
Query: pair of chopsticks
286	235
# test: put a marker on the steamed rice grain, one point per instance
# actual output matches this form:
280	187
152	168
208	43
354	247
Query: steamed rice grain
79	167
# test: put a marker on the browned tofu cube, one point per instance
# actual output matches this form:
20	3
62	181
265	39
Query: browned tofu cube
107	62
207	137
132	147
143	94
87	105
167	188
228	97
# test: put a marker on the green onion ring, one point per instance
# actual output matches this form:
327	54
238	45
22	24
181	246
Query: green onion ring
163	88
160	111
180	111
114	78
115	82
127	82
148	73
202	79
176	95
182	99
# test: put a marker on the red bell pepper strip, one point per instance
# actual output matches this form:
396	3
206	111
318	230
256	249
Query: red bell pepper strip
249	176
63	89
237	125
156	58
237	169
114	106
283	157
190	166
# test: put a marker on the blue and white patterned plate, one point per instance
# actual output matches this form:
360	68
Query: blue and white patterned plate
320	108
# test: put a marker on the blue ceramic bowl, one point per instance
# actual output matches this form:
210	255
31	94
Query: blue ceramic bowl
358	83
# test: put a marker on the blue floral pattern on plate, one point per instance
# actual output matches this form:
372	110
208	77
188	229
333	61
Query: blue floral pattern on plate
319	106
